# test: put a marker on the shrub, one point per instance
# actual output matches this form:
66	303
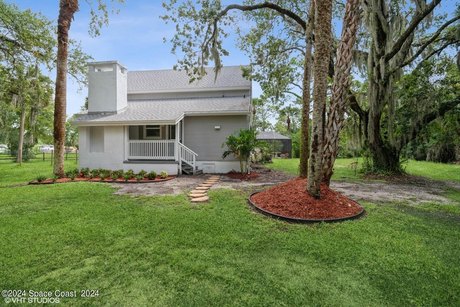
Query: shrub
130	173
41	178
103	175
73	175
242	145
152	175
127	176
95	173
142	173
119	173
139	177
163	175
114	176
84	172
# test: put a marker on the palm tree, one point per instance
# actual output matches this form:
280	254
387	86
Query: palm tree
67	9
241	146
323	18
340	86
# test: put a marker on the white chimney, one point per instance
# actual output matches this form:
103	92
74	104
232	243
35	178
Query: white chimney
107	87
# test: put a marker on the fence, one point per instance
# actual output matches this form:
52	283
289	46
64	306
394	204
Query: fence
49	156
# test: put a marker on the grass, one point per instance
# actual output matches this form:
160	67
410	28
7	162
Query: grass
343	169
13	173
164	251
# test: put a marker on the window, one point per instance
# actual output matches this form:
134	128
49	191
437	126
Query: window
96	139
152	132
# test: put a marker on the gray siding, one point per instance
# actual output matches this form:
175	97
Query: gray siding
176	95
201	137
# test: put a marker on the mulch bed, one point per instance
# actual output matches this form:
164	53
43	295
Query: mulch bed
97	179
290	200
246	177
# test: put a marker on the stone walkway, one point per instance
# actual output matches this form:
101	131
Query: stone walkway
200	193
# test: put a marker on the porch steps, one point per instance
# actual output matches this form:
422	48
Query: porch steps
200	193
188	170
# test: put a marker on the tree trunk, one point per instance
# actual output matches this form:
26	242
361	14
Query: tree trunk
67	9
340	87
323	18
22	123
304	137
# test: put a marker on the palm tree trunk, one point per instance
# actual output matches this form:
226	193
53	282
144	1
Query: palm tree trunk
304	138
22	123
67	9
340	87
323	18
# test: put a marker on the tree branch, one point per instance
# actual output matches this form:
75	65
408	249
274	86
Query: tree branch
429	41
416	20
263	5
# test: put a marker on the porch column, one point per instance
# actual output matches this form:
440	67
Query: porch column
182	131
126	142
176	147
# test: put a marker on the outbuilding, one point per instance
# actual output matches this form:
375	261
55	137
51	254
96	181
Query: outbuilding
281	145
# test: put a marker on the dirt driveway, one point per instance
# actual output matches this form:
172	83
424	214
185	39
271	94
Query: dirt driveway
414	190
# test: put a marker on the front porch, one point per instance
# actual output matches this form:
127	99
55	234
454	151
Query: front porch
159	143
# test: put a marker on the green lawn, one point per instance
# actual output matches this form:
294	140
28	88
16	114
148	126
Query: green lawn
164	251
343	169
12	173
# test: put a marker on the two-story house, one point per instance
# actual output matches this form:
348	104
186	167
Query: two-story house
158	120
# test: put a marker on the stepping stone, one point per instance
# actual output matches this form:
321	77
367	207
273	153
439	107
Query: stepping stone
206	185
212	181
202	188
197	191
195	195
200	199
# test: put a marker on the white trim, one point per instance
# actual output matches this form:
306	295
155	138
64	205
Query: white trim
159	122
183	90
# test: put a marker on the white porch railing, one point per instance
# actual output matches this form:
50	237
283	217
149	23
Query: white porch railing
188	156
151	149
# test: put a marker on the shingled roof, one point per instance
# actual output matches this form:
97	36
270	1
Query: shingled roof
271	135
167	110
153	81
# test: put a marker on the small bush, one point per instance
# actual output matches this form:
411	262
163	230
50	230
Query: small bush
119	173
139	177
103	175
130	173
152	175
72	176
142	173
84	171
163	175
95	173
127	176
41	178
114	176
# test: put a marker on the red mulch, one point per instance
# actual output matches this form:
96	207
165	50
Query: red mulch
290	199
246	177
97	179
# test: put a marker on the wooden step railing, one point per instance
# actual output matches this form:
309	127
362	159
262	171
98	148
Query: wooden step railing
187	156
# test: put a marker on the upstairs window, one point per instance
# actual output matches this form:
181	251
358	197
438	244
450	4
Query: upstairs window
152	132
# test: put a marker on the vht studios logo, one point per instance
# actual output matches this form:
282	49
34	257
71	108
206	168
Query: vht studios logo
32	300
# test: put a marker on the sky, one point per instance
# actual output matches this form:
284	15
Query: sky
134	37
